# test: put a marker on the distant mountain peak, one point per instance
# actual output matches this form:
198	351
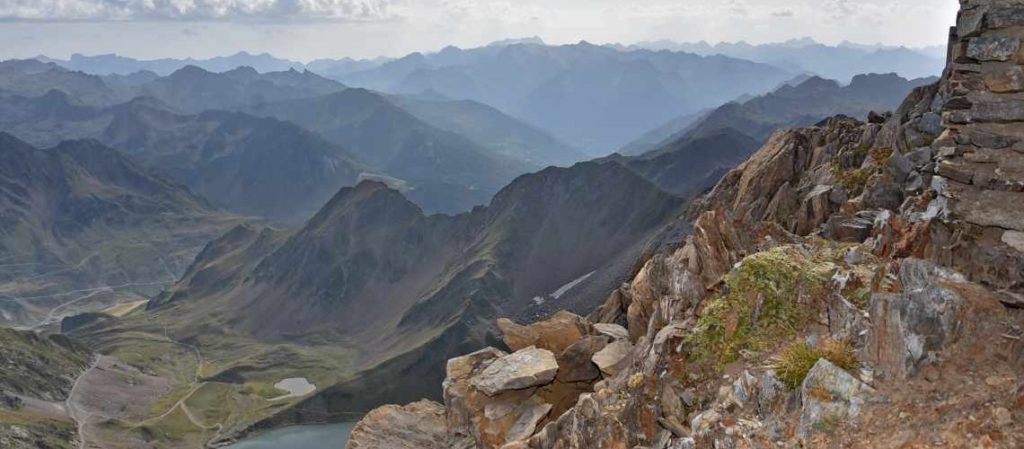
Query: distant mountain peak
532	40
189	71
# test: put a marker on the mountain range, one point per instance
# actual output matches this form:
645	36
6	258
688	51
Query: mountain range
444	171
85	228
331	136
399	291
593	97
840	62
697	155
250	165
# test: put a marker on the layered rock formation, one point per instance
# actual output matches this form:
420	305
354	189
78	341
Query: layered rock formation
851	285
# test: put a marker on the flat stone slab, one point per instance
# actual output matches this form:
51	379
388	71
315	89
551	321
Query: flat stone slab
524	368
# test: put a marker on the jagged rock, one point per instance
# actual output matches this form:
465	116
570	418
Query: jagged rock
921	156
527	422
613	358
898	166
874	117
930	123
846	228
705	422
463	403
554	334
575	364
883	192
419	425
524	368
831	396
770	395
614	331
915	326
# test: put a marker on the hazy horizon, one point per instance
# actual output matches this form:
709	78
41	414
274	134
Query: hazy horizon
364	29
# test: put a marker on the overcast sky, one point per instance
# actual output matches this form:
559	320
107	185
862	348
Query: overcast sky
309	29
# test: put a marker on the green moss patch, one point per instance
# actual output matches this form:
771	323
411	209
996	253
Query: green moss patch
769	298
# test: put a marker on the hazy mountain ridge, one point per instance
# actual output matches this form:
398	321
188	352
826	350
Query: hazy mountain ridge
592	97
694	158
82	216
443	170
446	172
841	62
250	165
490	127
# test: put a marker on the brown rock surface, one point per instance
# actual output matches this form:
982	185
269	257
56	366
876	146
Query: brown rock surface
419	425
553	334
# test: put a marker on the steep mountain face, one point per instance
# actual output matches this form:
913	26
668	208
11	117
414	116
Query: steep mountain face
445	172
250	165
493	129
841	62
192	89
400	291
834	282
77	221
693	159
691	166
594	98
658	136
39	374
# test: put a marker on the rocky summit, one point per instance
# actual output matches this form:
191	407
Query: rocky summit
852	284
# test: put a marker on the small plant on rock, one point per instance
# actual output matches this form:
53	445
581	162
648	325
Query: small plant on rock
798	358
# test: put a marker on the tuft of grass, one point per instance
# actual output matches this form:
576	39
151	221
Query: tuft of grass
854	180
798	358
880	155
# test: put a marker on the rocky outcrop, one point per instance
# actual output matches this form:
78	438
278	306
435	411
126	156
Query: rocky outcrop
841	288
934	309
418	425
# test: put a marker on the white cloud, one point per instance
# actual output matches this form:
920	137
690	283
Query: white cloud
123	10
308	29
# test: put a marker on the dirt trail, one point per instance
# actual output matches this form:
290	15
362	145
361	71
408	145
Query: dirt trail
79	416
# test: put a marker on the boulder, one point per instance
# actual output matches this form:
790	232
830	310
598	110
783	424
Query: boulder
419	425
850	228
913	327
614	357
830	397
575	364
554	334
463	403
525	368
899	166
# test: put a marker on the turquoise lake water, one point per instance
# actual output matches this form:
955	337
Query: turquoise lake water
326	436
